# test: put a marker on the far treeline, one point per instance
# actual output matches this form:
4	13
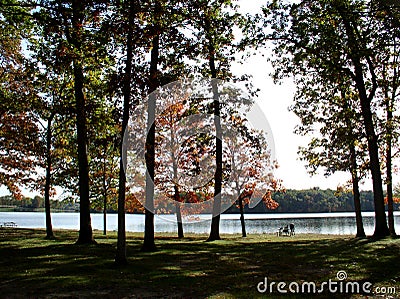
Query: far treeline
292	201
73	72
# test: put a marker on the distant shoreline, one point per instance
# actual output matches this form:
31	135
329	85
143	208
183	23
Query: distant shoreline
42	210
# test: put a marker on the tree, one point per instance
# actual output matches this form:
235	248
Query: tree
104	166
166	64
334	39
388	82
251	167
75	38
216	47
51	87
19	132
169	154
153	83
183	155
68	35
120	257
330	112
49	137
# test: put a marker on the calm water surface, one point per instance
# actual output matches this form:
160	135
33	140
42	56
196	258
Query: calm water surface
318	223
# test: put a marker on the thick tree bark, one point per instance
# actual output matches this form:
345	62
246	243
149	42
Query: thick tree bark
120	257
148	244
49	227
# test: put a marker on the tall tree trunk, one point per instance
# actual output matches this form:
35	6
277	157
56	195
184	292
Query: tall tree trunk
104	192
356	192
120	257
353	170
148	244
242	217
49	227
176	188
389	179
85	230
381	228
214	233
176	191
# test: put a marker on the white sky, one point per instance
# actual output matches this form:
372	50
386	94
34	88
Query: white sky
274	100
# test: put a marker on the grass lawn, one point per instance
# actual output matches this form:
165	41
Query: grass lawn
190	268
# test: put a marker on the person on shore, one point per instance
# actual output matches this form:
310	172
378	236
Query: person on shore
291	229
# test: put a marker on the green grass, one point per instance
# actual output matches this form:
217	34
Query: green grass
190	268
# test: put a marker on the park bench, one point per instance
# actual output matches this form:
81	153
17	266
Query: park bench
283	231
8	224
286	231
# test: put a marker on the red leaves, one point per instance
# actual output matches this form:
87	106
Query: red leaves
19	147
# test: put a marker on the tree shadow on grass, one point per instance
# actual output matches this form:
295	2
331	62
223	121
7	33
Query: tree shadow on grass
188	267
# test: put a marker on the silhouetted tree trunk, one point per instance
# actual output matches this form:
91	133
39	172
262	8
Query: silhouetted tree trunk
176	188
242	222
104	191
381	228
85	231
49	227
389	178
120	258
148	244
356	192
354	170
214	233
179	219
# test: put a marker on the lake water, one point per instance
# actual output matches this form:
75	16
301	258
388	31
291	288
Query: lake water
317	223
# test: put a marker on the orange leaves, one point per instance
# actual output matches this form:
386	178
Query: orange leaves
395	200
269	202
171	115
132	204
